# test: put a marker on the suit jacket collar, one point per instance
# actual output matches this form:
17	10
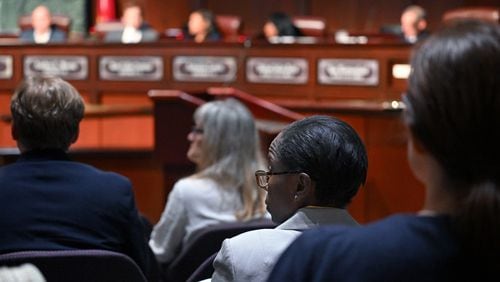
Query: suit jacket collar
44	155
309	217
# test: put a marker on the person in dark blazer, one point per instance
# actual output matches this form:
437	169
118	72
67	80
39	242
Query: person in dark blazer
316	166
135	30
47	201
280	24
452	108
42	31
202	27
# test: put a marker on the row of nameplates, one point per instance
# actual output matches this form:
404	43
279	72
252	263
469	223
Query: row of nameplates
200	69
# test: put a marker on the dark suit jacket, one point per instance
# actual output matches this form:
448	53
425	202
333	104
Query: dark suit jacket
397	248
56	35
420	37
48	202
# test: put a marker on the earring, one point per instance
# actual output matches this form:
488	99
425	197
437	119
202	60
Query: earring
295	197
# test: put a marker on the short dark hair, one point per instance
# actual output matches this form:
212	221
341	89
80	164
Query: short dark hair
46	112
330	152
284	24
209	17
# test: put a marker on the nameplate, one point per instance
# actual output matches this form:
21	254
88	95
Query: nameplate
348	71
6	69
277	70
67	67
130	68
204	68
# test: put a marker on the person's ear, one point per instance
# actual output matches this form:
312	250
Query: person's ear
304	191
422	25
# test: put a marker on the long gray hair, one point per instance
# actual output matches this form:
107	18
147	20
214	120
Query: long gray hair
231	151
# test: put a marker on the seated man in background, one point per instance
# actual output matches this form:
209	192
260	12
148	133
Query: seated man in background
316	166
135	30
42	31
414	24
48	202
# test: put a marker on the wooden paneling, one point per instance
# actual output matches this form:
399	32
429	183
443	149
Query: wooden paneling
90	130
356	15
5	133
109	132
123	132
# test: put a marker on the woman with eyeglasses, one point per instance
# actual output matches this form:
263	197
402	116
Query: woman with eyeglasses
226	150
453	116
316	166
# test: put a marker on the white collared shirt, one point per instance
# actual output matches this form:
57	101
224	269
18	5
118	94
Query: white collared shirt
42	38
131	35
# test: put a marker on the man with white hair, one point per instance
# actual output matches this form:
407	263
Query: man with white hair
414	24
42	31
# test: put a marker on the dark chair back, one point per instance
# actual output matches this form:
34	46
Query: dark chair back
78	265
206	243
204	271
230	26
310	25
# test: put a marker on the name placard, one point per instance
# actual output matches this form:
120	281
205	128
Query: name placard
348	71
204	68
130	68
67	67
277	70
6	68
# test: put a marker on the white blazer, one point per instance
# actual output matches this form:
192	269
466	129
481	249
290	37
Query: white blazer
251	256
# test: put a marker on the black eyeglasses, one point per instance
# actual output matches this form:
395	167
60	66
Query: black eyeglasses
196	130
262	177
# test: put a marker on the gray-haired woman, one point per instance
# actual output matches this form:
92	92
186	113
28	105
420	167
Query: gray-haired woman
226	150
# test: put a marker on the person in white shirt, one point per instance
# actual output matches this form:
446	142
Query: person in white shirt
23	273
42	31
135	30
226	150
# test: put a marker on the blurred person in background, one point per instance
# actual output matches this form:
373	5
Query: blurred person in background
414	24
202	27
135	30
42	31
225	147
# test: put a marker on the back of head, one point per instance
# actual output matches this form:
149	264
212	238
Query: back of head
284	24
231	149
330	152
453	106
46	112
